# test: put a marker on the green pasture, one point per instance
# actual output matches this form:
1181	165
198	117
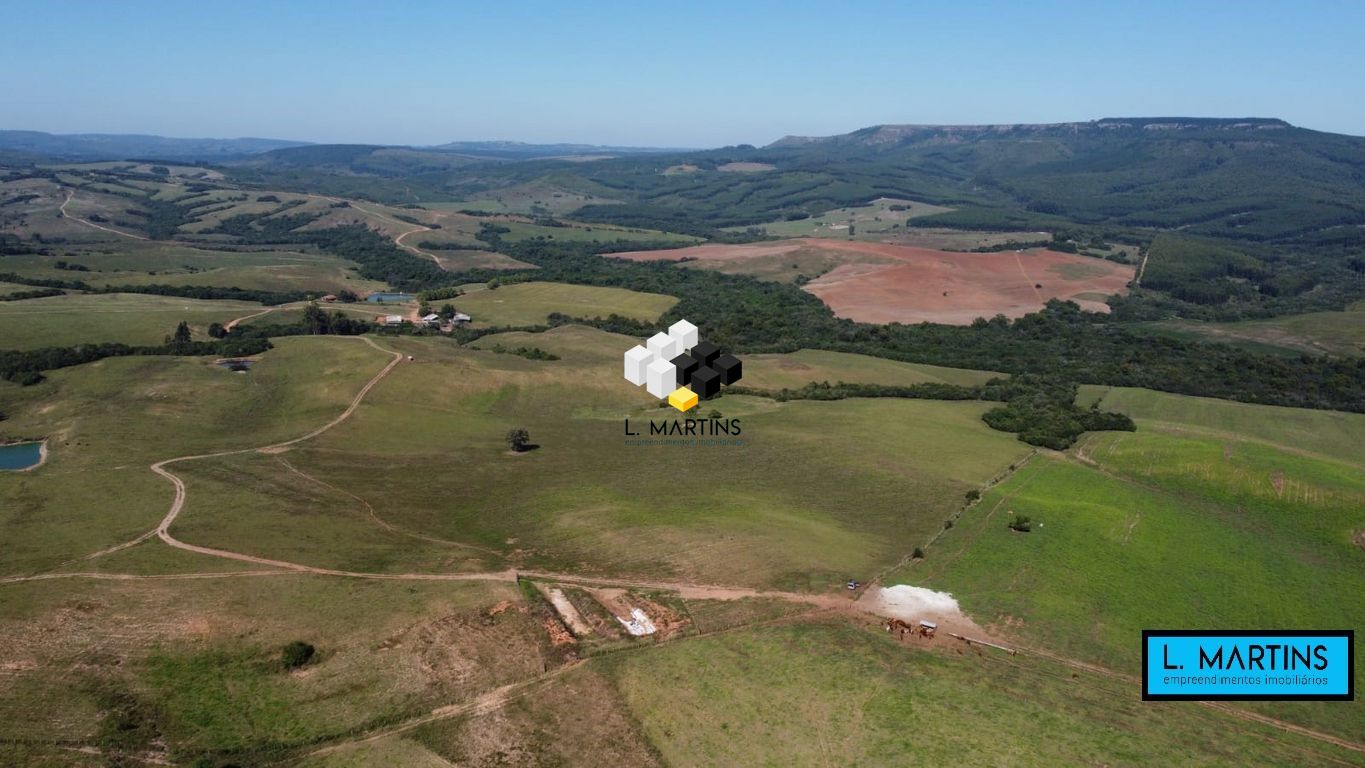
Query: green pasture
836	694
531	303
105	422
1174	526
130	318
1333	333
818	491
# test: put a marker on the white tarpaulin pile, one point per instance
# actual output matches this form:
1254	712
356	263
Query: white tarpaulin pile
639	623
909	603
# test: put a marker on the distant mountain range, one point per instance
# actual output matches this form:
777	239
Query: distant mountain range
522	150
107	146
120	146
894	135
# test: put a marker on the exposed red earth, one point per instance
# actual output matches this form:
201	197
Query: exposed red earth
884	283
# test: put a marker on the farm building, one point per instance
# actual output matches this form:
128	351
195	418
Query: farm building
460	317
391	321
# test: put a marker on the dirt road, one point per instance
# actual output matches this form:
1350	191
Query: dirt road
499	697
70	193
292	305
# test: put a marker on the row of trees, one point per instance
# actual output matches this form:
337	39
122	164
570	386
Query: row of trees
1041	410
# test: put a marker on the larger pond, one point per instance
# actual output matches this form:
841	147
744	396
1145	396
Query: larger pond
383	297
20	455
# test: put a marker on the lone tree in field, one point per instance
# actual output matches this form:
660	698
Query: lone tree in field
518	439
181	337
315	319
296	654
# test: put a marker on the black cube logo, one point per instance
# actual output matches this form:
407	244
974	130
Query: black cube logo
681	367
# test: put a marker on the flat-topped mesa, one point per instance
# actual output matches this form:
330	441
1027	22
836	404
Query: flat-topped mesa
899	133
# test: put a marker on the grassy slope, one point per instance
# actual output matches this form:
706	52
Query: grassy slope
1328	434
1336	333
798	368
59	321
201	657
602	233
841	695
426	451
138	263
1175	526
108	420
531	303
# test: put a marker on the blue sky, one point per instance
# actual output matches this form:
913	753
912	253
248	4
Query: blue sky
664	74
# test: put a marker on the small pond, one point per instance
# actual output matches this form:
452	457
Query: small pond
236	365
382	297
20	455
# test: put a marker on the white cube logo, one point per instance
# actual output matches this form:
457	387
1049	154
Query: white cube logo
661	378
637	360
664	347
685	334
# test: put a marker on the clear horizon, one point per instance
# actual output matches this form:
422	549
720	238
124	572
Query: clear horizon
710	75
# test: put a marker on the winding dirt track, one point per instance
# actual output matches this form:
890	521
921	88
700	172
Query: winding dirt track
70	193
163	530
398	241
499	697
291	305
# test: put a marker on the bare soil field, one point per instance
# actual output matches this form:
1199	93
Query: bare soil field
884	283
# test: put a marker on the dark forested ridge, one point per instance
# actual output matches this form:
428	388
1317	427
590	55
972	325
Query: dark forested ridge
1286	204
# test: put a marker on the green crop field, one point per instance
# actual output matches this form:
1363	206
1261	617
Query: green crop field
122	317
1223	526
531	303
1334	333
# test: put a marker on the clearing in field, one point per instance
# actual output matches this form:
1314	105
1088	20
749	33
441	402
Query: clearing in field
458	260
883	283
878	219
533	198
523	304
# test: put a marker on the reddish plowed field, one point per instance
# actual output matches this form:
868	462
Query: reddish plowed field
882	283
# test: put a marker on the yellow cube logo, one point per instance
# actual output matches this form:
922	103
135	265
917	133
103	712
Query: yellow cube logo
683	399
